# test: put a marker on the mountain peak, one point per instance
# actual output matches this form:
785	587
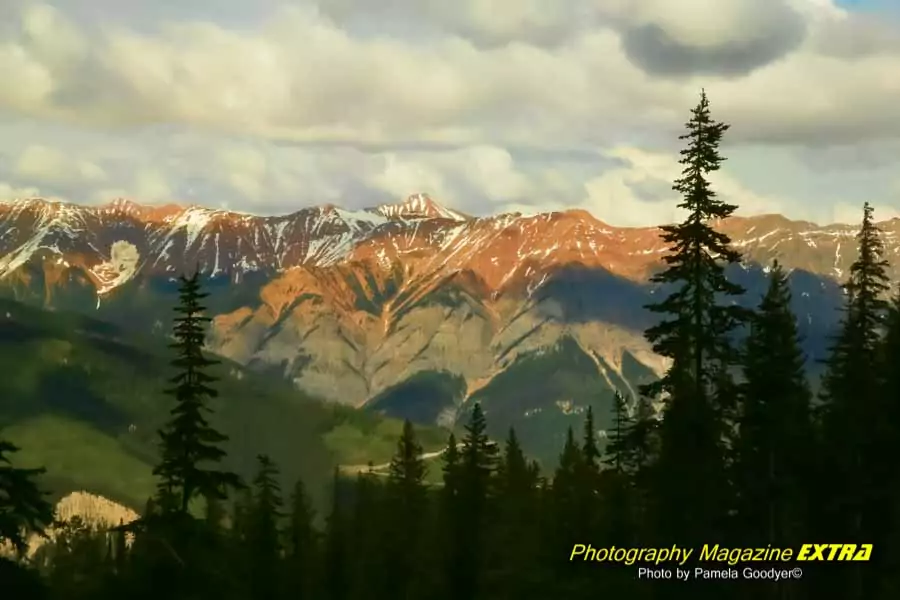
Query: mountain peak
149	212
419	206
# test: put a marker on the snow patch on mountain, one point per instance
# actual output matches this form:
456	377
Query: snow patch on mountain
121	266
356	218
329	250
193	221
419	206
19	256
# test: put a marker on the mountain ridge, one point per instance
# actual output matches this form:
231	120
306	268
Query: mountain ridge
386	303
168	237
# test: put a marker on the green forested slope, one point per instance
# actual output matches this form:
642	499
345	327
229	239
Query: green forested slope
84	400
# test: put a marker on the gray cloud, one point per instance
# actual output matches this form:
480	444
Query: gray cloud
654	51
773	30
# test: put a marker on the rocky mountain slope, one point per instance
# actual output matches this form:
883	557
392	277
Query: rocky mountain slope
409	308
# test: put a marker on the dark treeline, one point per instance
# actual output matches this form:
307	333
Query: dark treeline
729	447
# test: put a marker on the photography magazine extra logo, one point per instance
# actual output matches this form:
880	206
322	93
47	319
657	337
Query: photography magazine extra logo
720	562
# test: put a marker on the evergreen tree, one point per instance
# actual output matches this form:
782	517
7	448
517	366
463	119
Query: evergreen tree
775	434
475	472
301	545
589	448
852	397
264	544
367	534
76	561
565	478
619	488
406	475
446	518
406	497
617	447
887	429
24	508
515	476
336	569
450	468
478	458
565	506
696	333
514	560
189	442
176	555
588	486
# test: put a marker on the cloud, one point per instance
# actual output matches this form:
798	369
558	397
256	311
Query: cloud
43	163
856	36
707	36
642	187
503	105
487	23
245	168
334	75
10	192
151	185
845	212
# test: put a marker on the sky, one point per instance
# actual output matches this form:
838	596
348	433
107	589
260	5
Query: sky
487	105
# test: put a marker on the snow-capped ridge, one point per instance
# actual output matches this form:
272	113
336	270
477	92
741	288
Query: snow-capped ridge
419	206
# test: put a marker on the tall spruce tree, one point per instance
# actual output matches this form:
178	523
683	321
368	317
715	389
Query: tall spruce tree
406	475
514	556
448	518
450	468
565	487
888	432
301	545
264	544
774	443
24	508
336	569
589	448
406	496
588	510
620	500
475	472
189	443
852	401
514	475
696	332
617	444
367	532
565	503
478	458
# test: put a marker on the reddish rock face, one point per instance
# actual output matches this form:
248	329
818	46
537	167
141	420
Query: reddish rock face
425	241
348	303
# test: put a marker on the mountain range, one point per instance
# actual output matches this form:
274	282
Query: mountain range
410	309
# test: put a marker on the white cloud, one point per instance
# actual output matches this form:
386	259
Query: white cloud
152	186
845	212
302	77
245	169
9	191
642	190
501	105
43	163
399	176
